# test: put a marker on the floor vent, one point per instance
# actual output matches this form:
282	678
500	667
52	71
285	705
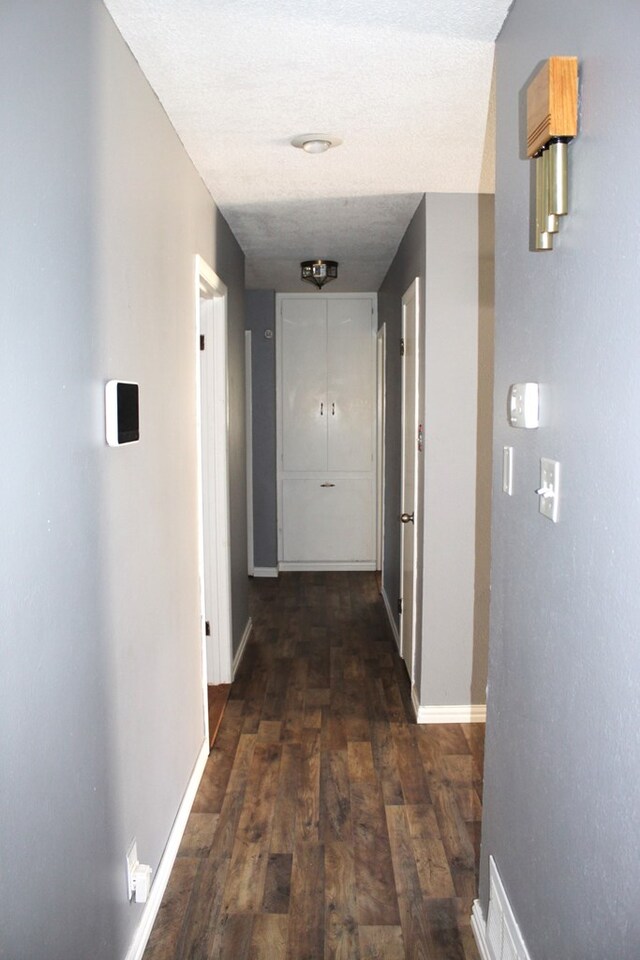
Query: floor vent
503	938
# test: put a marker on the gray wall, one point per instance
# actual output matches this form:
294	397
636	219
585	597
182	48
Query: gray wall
441	246
484	443
100	688
261	316
563	735
228	262
450	418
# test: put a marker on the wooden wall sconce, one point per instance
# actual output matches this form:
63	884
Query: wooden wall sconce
552	122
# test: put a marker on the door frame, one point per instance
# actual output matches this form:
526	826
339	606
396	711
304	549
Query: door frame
381	396
213	475
249	439
412	292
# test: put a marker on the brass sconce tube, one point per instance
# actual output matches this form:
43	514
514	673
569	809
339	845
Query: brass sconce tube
543	239
558	178
550	218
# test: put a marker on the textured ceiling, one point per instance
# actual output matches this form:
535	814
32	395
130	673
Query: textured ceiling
405	84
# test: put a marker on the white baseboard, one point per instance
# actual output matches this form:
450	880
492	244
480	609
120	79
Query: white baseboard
453	713
243	643
479	927
265	572
287	567
392	623
163	872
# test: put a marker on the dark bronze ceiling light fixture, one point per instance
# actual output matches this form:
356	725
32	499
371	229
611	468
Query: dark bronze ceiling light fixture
318	272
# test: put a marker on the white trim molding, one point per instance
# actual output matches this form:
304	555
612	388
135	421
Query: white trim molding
265	571
392	623
163	872
479	927
451	713
285	566
248	407
243	643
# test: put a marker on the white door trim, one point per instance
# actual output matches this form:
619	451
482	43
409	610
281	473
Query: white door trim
381	391
249	434
213	473
413	292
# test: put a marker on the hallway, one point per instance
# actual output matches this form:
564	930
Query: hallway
327	824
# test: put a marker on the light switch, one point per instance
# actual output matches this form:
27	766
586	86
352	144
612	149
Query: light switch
549	490
523	405
507	470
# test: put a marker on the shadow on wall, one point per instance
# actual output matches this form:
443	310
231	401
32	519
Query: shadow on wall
484	445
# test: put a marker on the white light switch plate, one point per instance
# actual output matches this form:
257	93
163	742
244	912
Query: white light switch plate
549	490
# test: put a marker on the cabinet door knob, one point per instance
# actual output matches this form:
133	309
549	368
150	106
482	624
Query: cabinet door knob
406	518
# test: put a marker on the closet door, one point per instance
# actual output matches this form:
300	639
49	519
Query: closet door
304	385
328	521
350	386
326	439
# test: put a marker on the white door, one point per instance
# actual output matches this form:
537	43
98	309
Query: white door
410	333
215	558
350	386
303	349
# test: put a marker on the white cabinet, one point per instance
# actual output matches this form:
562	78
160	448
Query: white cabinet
326	426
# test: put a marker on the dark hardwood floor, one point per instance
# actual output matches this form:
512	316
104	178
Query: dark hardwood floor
327	824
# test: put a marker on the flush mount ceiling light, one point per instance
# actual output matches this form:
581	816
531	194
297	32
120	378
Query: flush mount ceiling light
318	272
316	142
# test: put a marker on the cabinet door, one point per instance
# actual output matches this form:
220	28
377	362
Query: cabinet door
328	523
351	386
303	350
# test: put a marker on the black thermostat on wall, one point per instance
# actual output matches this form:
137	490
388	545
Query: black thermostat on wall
122	410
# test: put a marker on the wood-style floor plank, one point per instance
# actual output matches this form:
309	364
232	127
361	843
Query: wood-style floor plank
327	825
306	911
269	937
341	929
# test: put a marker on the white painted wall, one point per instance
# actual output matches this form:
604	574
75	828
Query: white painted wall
441	246
450	419
100	687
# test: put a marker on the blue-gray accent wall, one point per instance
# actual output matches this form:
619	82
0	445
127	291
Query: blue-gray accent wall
562	773
261	316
